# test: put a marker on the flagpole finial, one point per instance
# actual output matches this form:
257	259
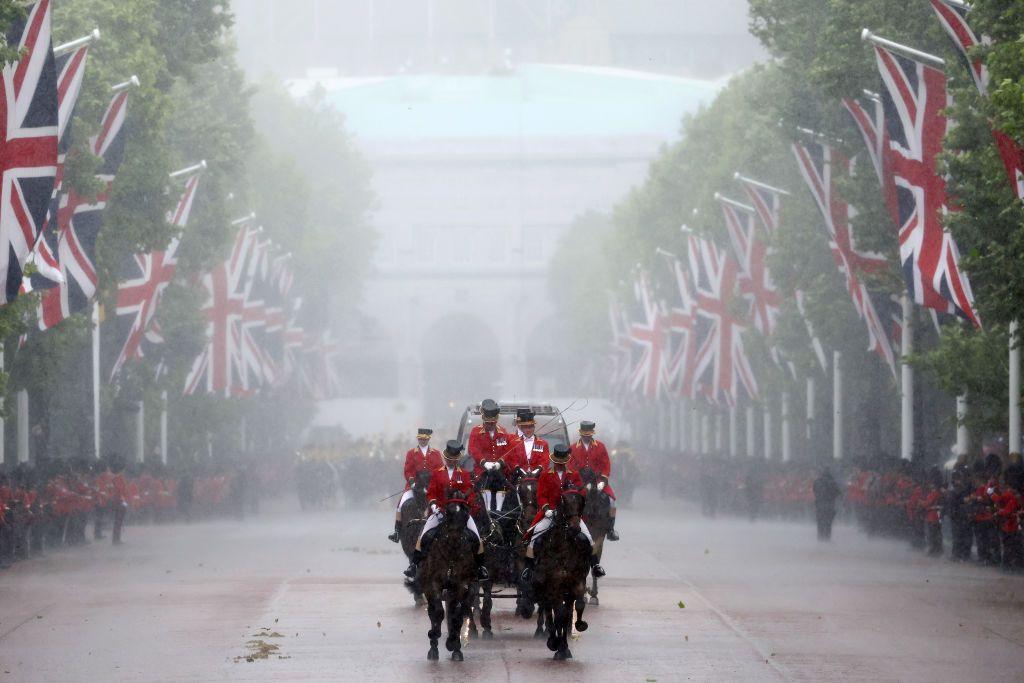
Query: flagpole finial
188	170
132	82
903	50
65	48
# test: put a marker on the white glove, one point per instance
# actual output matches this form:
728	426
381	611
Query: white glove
588	487
536	472
492	465
434	509
600	486
549	513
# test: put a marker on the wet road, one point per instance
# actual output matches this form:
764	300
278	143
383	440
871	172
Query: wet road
762	602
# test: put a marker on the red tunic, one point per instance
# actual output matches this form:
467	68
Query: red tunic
596	458
932	504
488	447
415	461
442	487
1007	507
539	457
550	487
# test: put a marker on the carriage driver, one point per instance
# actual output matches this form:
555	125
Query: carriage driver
589	452
445	482
559	477
417	459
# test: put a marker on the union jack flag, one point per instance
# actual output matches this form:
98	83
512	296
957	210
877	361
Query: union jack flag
819	350
219	368
319	371
146	277
818	163
953	17
647	332
721	363
620	355
755	281
680	322
913	99
70	68
79	220
28	150
766	203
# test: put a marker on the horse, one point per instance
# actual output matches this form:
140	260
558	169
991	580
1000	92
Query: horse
411	518
597	515
499	527
447	575
560	576
526	490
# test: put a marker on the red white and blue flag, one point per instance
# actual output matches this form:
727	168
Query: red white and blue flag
721	364
647	333
953	17
145	278
79	220
28	148
680	322
819	164
913	99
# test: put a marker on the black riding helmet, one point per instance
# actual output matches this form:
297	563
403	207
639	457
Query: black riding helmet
452	451
561	454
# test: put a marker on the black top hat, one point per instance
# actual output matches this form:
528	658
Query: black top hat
452	450
561	454
587	427
525	416
424	433
489	409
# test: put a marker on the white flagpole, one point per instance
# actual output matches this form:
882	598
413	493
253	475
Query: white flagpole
786	453
907	383
750	432
23	453
140	432
1014	417
3	435
733	433
163	427
695	440
962	437
837	405
768	453
96	379
719	429
810	408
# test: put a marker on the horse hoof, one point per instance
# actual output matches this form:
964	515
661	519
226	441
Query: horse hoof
432	654
552	644
539	633
581	625
450	643
457	656
594	600
473	634
487	635
562	655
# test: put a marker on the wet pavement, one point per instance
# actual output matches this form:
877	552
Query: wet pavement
762	601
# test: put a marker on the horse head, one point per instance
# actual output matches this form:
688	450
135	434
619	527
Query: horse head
456	510
492	480
527	490
421	481
570	504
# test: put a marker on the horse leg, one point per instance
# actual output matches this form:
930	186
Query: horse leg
541	613
472	606
581	604
459	608
435	610
485	612
560	634
593	592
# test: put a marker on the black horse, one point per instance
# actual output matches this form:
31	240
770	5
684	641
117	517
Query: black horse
412	520
447	574
597	515
526	490
499	527
559	581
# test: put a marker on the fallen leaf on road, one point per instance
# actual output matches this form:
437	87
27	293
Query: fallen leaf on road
706	551
686	638
682	605
378	624
259	649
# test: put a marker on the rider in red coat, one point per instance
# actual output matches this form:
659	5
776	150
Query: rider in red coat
558	478
489	442
447	483
529	452
417	459
589	452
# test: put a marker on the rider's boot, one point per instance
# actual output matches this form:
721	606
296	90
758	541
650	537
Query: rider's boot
612	534
481	570
527	569
417	557
596	569
398	527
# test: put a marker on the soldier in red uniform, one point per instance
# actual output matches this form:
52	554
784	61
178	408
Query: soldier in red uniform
488	442
560	476
932	502
447	481
589	452
417	459
120	499
1007	515
529	452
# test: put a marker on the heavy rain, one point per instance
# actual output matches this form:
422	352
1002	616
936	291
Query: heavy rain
584	340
